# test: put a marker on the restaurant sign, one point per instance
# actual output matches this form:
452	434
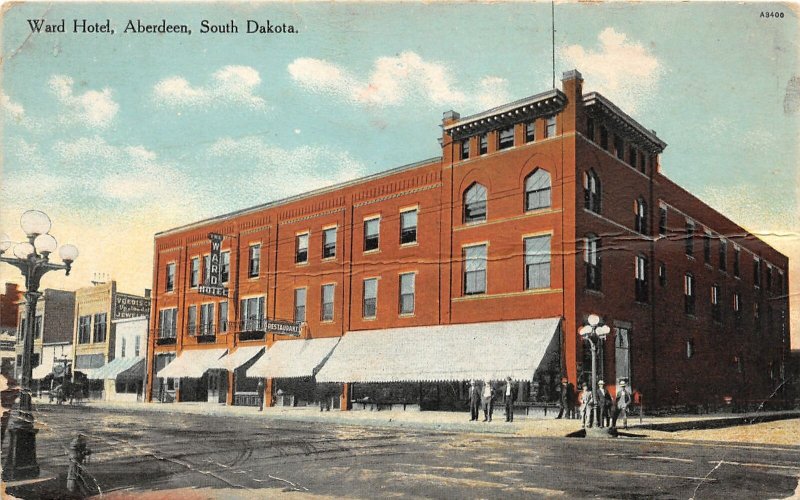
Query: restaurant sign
278	327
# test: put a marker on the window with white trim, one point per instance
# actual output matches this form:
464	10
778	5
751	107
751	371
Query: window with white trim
591	258
301	248
299	304
408	226
329	243
474	269
537	262
372	232
475	203
592	194
407	293
641	281
369	307
537	190
327	302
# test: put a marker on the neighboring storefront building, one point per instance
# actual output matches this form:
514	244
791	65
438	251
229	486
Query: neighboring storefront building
95	331
124	376
53	325
481	263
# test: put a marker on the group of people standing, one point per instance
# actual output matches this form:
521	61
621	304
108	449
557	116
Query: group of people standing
606	409
483	398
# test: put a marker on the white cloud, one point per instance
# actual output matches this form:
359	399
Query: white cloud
231	84
623	70
12	109
280	172
93	108
392	81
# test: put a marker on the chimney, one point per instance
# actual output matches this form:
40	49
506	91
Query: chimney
147	292
572	83
450	117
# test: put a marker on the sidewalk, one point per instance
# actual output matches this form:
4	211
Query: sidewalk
448	421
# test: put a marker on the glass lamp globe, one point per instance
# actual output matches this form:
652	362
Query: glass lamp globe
604	330
45	244
68	253
594	319
5	242
23	250
35	222
585	330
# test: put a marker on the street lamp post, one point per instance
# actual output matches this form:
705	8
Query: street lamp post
594	332
32	258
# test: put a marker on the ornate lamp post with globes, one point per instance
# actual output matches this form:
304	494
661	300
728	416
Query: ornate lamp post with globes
594	332
32	257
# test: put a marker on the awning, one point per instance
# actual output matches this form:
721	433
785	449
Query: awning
118	367
238	357
481	351
44	369
293	358
192	364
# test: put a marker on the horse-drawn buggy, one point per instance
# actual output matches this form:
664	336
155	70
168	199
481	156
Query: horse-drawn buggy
66	385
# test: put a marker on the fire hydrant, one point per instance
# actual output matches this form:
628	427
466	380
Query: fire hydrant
78	451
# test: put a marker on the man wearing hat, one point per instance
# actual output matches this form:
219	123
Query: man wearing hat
622	402
587	405
566	403
474	401
604	405
508	399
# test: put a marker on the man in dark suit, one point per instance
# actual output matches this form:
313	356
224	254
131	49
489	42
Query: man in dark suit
509	395
604	404
474	401
567	400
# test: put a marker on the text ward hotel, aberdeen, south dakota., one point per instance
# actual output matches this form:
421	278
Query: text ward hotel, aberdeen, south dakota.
482	263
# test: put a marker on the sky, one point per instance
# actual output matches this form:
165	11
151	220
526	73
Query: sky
119	136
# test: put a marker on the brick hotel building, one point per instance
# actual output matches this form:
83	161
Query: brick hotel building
481	263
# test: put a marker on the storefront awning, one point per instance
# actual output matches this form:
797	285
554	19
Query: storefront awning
119	366
238	357
480	351
293	358
192	364
44	369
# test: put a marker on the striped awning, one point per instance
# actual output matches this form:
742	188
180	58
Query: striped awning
481	351
293	358
237	358
192	363
120	368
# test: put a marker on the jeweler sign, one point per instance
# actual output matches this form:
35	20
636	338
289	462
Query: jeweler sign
279	327
213	284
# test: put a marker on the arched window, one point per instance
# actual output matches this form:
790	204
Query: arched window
537	190
640	215
591	257
475	203
591	191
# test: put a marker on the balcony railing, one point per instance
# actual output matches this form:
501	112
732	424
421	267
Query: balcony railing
165	336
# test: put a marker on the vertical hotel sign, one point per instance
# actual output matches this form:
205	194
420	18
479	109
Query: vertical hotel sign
213	283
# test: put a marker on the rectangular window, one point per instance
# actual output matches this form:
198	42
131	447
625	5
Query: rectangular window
408	226
689	349
407	292
688	294
84	329
619	147
301	248
99	334
137	345
191	320
757	272
329	243
662	274
769	287
465	148
632	156
122	348
689	238
299	304
530	131
723	255
370	303
590	129
591	257
716	308
222	316
505	138
707	248
737	307
483	144
641	282
736	268
537	262
194	274
372	230
327	302
207	319
475	270
604	138
169	284
167	320
225	268
251	312
254	262
662	220
643	163
757	315
550	127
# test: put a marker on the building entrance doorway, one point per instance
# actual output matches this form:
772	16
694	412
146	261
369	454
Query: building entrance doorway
217	386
